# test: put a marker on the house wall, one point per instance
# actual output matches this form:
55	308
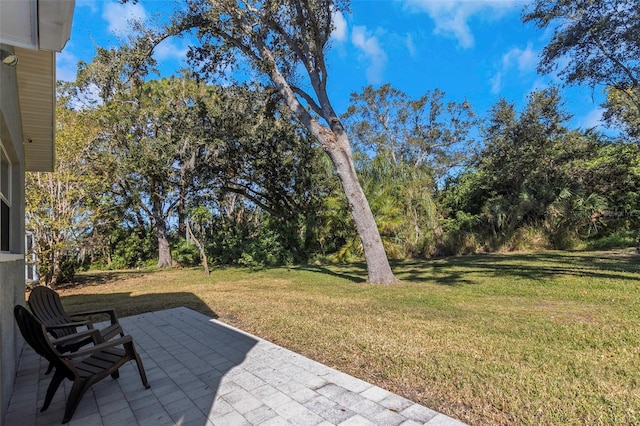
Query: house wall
11	293
12	280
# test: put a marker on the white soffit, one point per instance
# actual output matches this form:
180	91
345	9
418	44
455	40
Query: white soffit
38	29
36	91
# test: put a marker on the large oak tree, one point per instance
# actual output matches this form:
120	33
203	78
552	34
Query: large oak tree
284	41
148	147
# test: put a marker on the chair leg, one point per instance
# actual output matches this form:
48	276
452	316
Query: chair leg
77	391
51	390
49	368
143	376
116	374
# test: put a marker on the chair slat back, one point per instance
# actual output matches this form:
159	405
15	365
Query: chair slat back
35	334
47	307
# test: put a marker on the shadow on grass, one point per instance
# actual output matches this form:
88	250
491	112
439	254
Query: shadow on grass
103	277
126	305
457	270
531	266
351	272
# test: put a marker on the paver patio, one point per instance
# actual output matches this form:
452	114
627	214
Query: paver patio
204	372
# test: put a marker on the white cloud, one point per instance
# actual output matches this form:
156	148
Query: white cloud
120	16
451	21
525	60
367	44
451	17
593	119
340	31
411	46
496	83
90	4
172	50
372	51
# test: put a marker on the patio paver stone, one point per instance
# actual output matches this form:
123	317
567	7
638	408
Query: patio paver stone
204	372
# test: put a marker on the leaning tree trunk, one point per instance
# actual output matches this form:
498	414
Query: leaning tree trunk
336	144
338	148
203	253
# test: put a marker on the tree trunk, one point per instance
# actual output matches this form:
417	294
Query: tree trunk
336	144
182	214
164	250
203	253
51	279
378	268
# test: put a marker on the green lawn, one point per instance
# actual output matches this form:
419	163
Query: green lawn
539	338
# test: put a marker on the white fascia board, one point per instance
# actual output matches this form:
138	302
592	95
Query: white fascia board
19	23
54	23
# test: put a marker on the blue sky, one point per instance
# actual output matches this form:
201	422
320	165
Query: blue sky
477	50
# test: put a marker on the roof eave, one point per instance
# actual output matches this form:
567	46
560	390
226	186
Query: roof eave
36	77
36	91
54	23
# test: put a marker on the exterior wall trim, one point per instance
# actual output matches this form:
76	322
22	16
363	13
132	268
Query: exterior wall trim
10	257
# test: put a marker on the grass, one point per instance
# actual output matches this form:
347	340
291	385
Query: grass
537	338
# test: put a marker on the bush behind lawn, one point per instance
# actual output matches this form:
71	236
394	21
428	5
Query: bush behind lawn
528	338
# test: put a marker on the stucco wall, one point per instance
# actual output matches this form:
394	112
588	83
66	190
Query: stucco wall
11	264
11	293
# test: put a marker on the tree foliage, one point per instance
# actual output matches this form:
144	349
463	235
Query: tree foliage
600	37
183	169
59	209
406	146
149	145
261	165
285	42
622	113
423	132
183	144
594	42
530	173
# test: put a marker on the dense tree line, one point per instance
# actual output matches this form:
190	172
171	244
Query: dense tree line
185	171
231	165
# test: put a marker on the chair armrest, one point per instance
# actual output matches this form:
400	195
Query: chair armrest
110	312
102	346
87	324
93	333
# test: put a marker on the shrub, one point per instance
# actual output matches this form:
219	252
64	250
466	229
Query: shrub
528	238
459	236
265	249
68	267
132	248
623	238
185	253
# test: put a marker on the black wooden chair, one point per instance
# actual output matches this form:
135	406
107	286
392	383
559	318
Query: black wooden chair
84	367
47	307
